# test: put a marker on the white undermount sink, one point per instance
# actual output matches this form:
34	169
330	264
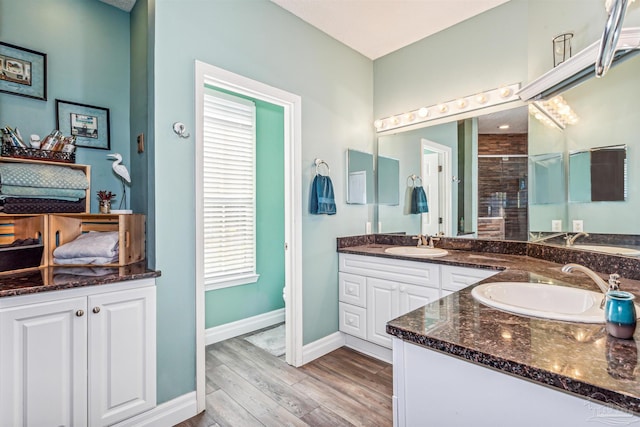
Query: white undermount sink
416	251
540	300
616	250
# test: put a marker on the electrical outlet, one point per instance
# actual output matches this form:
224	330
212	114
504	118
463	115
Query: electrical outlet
379	226
556	225
578	225
368	228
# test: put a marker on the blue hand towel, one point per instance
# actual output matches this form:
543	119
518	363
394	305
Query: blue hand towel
419	201
322	199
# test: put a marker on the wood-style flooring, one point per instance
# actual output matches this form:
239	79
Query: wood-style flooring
246	386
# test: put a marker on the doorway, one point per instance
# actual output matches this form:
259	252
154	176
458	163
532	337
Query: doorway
435	167
209	75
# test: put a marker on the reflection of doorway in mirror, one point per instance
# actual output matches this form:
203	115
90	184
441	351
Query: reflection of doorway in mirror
436	180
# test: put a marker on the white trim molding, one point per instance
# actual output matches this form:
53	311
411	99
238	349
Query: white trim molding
206	74
243	326
322	346
166	414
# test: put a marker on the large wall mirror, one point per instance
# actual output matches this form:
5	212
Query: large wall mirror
523	181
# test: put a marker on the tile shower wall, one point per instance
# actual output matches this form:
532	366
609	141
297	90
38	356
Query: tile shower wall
502	183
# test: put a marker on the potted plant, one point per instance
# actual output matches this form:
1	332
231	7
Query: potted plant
105	198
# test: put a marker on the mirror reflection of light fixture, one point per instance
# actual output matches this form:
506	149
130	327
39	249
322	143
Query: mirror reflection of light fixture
554	112
489	98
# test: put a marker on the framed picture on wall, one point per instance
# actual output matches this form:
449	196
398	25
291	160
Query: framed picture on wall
23	72
88	123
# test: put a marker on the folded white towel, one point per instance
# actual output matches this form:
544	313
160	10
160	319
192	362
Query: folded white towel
94	244
96	260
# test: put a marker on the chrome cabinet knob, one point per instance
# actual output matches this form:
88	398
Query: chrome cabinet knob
96	310
80	313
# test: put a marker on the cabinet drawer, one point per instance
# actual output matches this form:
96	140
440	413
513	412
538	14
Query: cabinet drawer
457	278
415	272
353	320
352	289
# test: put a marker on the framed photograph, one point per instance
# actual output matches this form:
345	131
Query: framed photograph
89	124
23	72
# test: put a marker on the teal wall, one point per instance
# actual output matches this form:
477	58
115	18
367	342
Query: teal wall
87	47
259	40
239	302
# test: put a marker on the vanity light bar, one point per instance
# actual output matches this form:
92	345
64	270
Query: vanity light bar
485	99
554	112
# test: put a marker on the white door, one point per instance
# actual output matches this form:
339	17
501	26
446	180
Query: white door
382	306
414	296
122	364
431	184
43	364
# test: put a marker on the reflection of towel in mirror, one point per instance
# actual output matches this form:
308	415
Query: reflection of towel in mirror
101	245
419	201
322	198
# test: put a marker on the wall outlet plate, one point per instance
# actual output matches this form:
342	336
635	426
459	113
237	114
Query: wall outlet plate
578	225
368	228
556	225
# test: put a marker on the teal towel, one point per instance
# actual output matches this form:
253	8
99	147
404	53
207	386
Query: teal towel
322	198
419	201
43	176
42	193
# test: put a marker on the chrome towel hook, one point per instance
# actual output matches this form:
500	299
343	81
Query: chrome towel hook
181	130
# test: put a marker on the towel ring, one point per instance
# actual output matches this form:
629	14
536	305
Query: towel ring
413	179
318	163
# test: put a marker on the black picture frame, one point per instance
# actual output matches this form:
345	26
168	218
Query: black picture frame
23	72
88	123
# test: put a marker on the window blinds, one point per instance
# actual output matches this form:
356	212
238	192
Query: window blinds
229	190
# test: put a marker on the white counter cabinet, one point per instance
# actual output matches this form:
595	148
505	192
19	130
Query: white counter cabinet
77	357
431	388
374	290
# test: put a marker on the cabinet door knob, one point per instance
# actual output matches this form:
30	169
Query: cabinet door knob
96	310
351	290
403	288
80	313
350	321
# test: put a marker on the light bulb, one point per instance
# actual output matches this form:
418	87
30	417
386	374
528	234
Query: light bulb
378	124
461	103
423	112
394	120
409	117
443	108
505	92
481	98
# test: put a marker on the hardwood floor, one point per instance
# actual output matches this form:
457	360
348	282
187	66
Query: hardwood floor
246	386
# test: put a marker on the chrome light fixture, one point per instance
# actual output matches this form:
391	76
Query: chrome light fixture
610	36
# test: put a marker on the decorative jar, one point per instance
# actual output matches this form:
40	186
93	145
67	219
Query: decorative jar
620	314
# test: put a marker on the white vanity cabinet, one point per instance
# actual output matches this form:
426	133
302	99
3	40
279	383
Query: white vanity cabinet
455	278
374	290
78	357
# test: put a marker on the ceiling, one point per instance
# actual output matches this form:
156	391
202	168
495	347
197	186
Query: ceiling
378	27
375	27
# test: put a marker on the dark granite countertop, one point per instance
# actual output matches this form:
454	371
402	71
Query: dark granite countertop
573	357
48	279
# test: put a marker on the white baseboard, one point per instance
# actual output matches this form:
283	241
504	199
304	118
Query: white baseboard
166	414
322	346
243	326
369	348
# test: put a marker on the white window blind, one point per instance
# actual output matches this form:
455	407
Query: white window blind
229	190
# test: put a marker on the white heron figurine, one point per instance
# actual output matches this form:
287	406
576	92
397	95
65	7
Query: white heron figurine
123	174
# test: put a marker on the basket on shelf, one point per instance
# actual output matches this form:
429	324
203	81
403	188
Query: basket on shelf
37	154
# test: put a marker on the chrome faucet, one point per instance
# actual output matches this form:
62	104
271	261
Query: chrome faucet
541	238
571	239
423	240
612	285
